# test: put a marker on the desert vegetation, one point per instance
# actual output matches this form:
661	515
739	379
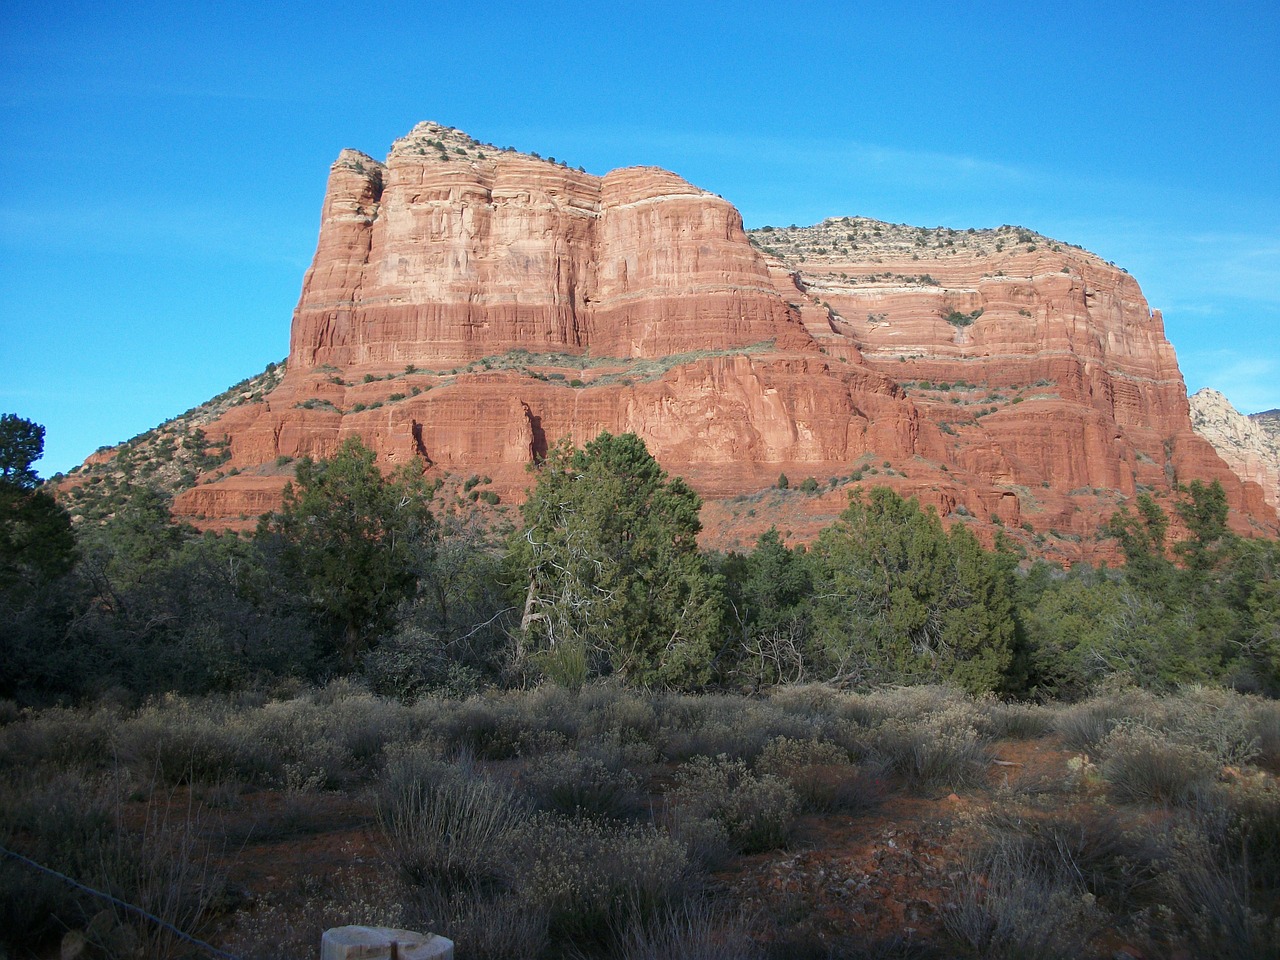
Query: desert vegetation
611	821
586	736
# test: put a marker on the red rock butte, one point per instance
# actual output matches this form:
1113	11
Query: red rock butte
470	306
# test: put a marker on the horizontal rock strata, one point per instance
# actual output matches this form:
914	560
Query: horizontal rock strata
471	306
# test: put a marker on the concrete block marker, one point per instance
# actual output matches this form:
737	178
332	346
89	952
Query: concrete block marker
383	943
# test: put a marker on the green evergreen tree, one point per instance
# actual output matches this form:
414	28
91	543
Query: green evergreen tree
1142	536
767	594
21	445
1202	508
36	543
610	562
350	537
898	598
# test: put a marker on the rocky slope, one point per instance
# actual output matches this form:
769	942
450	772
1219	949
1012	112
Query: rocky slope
1269	421
1245	443
471	306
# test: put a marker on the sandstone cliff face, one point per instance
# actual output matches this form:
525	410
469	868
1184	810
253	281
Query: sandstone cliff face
449	254
471	306
1248	448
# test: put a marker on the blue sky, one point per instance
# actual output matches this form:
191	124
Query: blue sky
164	164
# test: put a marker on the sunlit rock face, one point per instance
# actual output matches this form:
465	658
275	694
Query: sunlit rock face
1244	443
470	306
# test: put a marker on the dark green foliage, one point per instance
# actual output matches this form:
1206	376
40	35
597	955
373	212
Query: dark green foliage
958	319
348	536
900	598
193	613
768	599
37	550
1142	538
21	445
1091	625
1205	608
613	577
36	545
453	635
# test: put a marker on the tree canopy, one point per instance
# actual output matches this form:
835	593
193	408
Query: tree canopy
21	445
612	571
898	597
36	544
350	537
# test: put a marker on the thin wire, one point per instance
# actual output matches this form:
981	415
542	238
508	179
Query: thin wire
214	951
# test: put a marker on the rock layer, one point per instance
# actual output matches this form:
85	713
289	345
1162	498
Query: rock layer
471	306
1248	448
437	261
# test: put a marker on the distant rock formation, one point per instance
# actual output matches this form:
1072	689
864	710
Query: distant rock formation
1249	445
471	306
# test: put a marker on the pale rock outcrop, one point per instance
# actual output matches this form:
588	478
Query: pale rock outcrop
1248	448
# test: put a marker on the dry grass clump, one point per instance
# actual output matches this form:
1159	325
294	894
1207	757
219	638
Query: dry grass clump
65	737
558	881
168	869
445	825
522	823
1217	906
1117	861
481	926
1016	721
709	726
618	714
693	930
1231	727
1221	723
1265	715
1045	887
939	750
289	919
1251	833
574	784
1222	880
503	880
501	727
821	774
63	820
1085	725
783	755
1013	907
326	738
180	740
756	812
75	823
1142	765
589	877
900	703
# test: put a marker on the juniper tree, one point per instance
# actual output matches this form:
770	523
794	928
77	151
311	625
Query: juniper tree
898	598
610	560
351	537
